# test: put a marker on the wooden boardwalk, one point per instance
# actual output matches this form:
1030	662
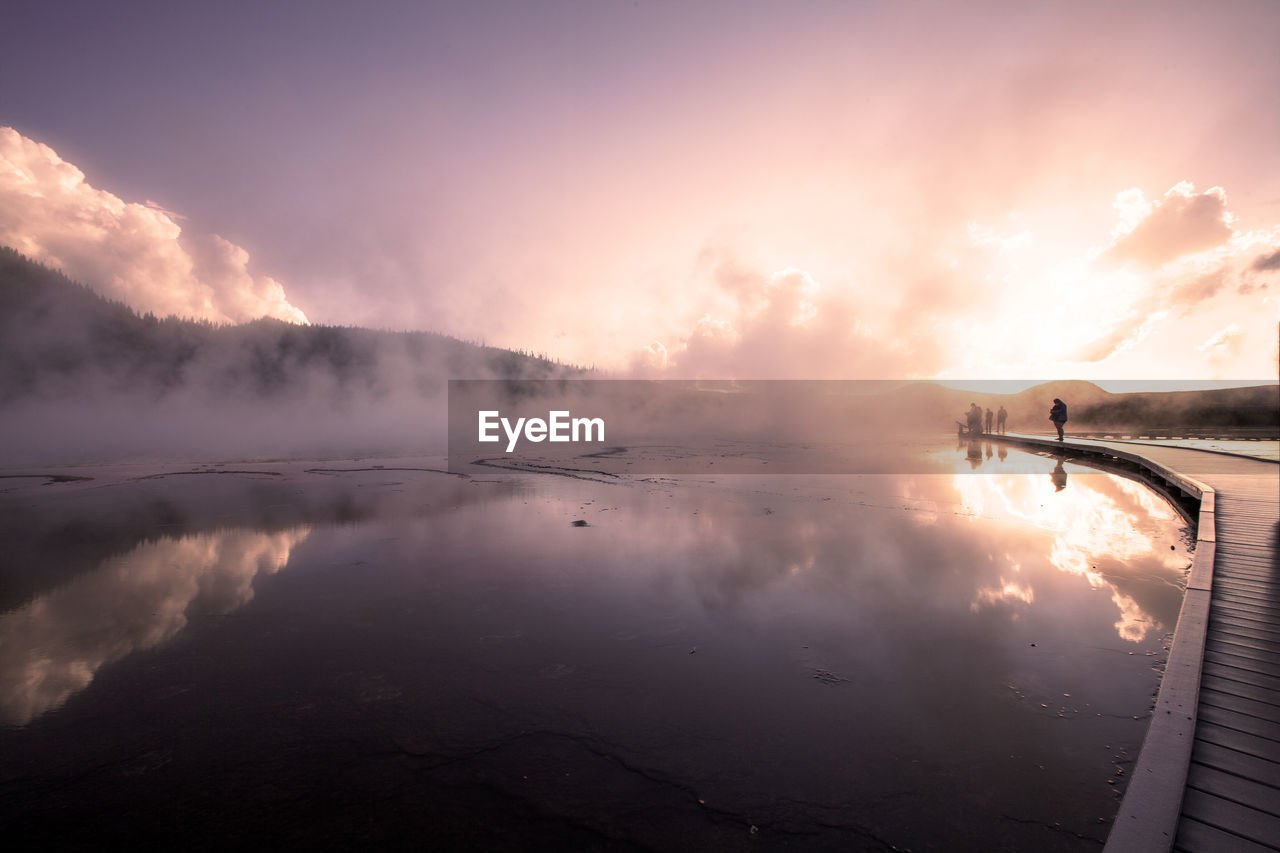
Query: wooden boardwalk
1232	798
1208	776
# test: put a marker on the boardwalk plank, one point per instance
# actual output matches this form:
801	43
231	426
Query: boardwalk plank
1245	582
1256	553
1259	581
1255	627
1244	675
1260	749
1241	636
1261	605
1212	681
1234	615
1243	572
1252	824
1262	646
1228	608
1240	765
1246	566
1226	658
1247	723
1221	645
1247	792
1240	619
1197	837
1239	704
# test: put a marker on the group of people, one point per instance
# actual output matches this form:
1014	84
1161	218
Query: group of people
976	422
974	419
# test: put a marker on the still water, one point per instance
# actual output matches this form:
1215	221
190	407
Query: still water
961	660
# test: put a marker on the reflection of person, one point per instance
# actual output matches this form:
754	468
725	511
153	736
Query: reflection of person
1001	417
990	415
1059	477
974	454
1058	414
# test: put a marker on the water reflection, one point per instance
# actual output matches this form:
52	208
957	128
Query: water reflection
1103	528
1059	476
51	647
933	660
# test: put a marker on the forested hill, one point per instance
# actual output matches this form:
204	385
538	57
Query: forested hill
60	339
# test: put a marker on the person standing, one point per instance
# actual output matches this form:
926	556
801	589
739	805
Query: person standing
974	419
990	415
1002	417
1058	414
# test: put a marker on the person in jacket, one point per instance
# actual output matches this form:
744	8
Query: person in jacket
1058	414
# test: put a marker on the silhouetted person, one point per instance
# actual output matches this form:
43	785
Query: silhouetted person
1059	477
974	418
990	415
1001	418
1058	414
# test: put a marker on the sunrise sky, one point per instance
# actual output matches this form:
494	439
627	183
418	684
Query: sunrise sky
810	189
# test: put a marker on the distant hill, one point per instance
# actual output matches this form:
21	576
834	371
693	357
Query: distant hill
60	339
1093	408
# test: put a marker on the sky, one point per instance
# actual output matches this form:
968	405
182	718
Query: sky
810	189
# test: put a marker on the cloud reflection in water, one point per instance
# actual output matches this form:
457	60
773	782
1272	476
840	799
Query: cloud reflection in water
52	646
1098	518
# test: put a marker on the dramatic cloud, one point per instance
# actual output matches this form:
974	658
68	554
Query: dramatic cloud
136	253
1195	262
1182	222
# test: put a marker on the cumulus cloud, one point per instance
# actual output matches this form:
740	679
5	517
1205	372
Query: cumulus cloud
776	326
1182	222
135	253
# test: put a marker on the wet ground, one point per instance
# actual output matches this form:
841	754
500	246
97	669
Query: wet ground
341	654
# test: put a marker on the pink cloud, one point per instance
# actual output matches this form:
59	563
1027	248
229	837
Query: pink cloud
135	253
783	326
1181	223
